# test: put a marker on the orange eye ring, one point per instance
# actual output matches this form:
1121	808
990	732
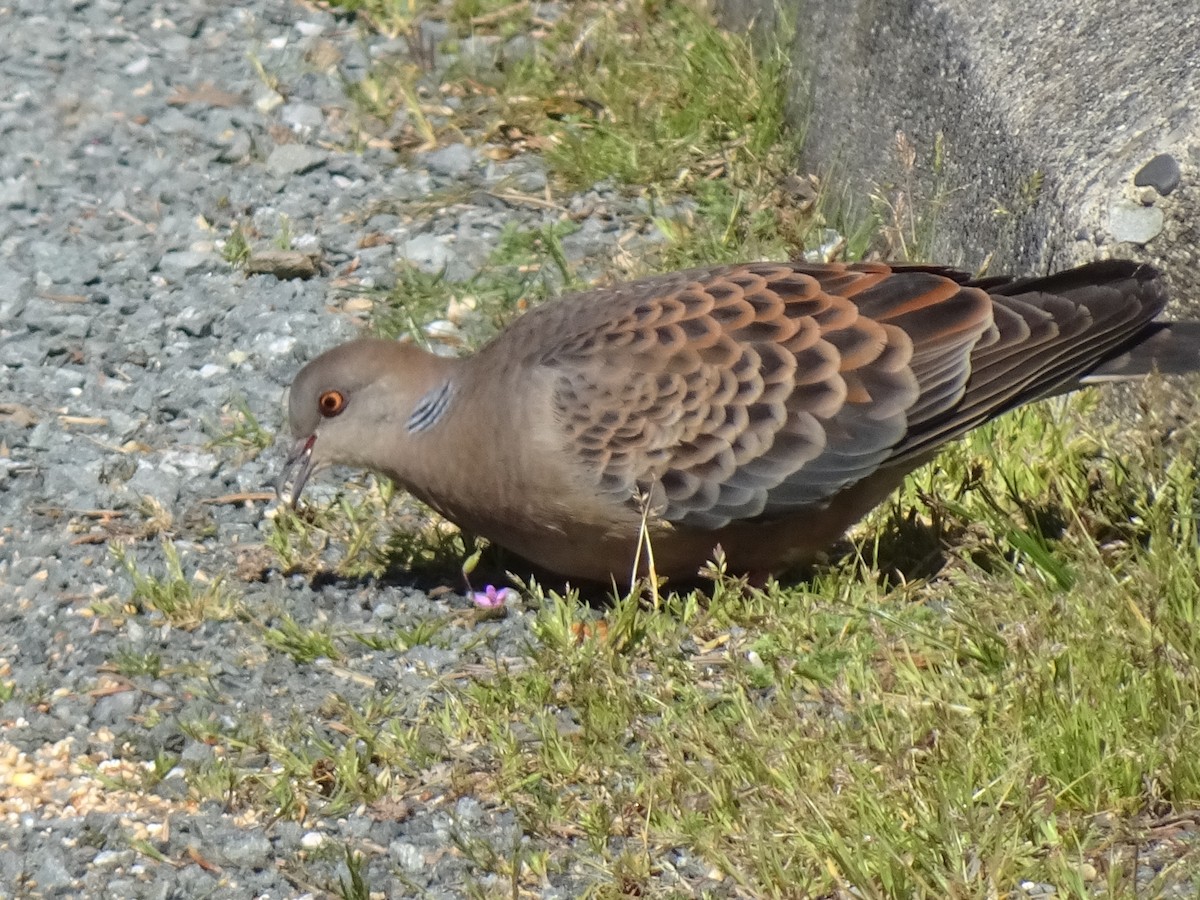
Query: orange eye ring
331	403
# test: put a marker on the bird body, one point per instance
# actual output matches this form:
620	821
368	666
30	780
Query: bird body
762	408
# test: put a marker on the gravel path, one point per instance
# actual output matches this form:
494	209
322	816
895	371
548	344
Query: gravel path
133	136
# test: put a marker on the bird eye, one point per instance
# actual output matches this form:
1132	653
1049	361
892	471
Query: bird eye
331	403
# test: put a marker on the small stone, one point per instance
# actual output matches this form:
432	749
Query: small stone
176	265
434	32
283	264
312	840
427	252
110	859
235	146
250	850
52	874
174	786
281	346
302	116
1147	196
294	159
150	481
195	322
25	780
176	44
454	161
175	121
115	709
197	753
42	437
18	193
480	51
267	101
1162	173
518	48
442	330
468	809
408	856
1132	223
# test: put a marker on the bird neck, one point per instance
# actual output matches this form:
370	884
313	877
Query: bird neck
411	407
473	411
433	406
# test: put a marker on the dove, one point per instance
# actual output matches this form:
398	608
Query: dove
757	409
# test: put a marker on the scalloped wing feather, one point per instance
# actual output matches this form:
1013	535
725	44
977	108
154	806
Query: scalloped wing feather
741	392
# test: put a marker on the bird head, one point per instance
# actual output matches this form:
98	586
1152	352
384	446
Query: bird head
362	404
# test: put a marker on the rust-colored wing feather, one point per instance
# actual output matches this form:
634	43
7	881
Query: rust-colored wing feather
1047	335
750	391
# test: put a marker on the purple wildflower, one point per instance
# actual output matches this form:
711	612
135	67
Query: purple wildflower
491	597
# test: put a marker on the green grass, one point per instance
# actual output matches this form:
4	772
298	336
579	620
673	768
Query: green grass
1023	709
304	645
236	249
1026	713
354	886
648	97
661	97
372	532
184	601
527	267
239	429
131	663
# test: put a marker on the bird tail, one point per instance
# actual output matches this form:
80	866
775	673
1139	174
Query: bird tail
1169	348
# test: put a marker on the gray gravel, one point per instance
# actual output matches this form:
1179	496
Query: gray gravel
133	137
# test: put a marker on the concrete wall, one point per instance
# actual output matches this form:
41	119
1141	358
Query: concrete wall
1048	109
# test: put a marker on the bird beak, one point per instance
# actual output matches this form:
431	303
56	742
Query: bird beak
298	467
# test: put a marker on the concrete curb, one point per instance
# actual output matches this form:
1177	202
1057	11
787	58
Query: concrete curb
1044	112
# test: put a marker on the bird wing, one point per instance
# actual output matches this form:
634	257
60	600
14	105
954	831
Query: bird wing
759	390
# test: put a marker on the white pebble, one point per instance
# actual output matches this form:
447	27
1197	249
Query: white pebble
313	840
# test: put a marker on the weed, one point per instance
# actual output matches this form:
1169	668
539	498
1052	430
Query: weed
304	645
907	212
403	639
131	663
236	248
354	886
184	601
241	430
